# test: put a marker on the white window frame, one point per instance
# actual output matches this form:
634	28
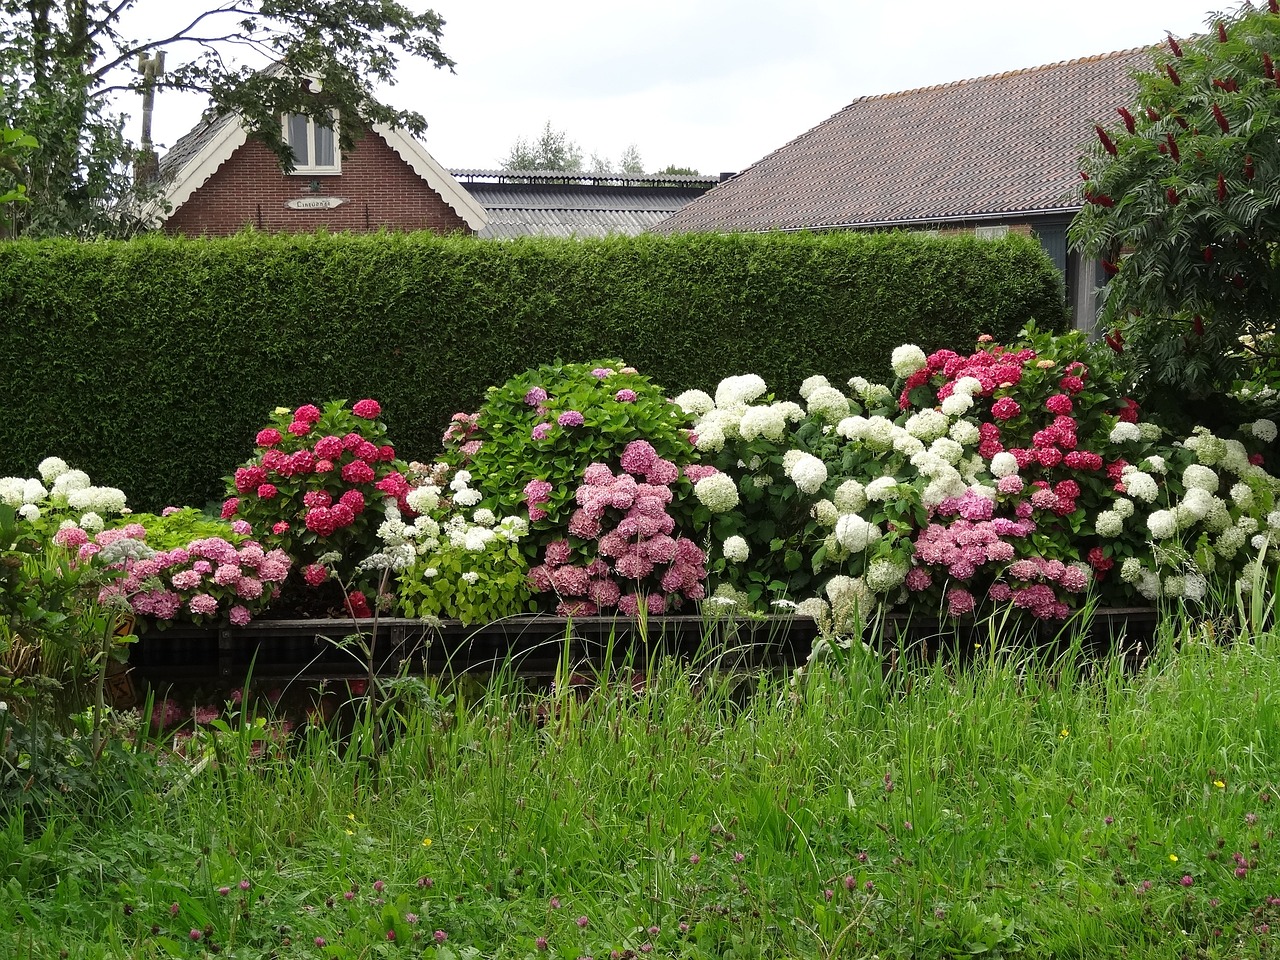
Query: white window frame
311	168
991	232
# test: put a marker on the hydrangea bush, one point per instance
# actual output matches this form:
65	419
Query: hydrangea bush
596	458
313	485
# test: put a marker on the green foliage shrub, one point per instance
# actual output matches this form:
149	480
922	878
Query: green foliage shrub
150	361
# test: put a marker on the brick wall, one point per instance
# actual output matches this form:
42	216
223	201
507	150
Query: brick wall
379	188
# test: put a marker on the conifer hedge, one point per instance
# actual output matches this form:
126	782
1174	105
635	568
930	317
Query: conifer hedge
151	363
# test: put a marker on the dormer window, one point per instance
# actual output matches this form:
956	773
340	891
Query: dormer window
314	145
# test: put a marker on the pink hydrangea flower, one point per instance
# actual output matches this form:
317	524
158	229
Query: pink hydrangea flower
299	428
638	457
540	431
71	537
699	471
1006	408
241	527
307	413
570	418
329	447
601	373
1059	403
203	605
357	471
267	490
959	602
537	491
229	507
557	553
535	396
625	396
239	615
269	437
367	409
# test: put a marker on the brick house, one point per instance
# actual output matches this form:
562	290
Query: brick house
987	156
218	180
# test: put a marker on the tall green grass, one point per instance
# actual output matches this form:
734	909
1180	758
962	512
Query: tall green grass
1046	806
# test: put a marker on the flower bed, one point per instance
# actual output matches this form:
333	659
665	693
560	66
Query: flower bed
1007	481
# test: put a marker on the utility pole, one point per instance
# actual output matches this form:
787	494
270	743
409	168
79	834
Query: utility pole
151	68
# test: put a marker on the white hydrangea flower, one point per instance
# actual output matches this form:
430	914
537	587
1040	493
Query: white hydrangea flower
467	497
1162	524
814	607
512	528
484	517
718	493
809	473
877	394
968	386
825	512
91	523
33	491
1209	449
1004	464
850	497
859	385
1273	519
1141	486
791	411
881	432
1236	458
1229	542
1200	477
739	391
1242	495
907	359
461	480
927	425
882	488
884	575
1264	430
853	428
696	403
811	384
97	499
905	444
1196	503
426	528
1247	523
931	465
1219	516
471	577
947	449
1124	432
965	433
478	538
1194	587
11	491
854	533
1149	585
1123	508
762	421
1131	570
1108	524
423	499
51	468
710	438
1149	432
956	405
828	403
29	512
736	549
1155	464
984	491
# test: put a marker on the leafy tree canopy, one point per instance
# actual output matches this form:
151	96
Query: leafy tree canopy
61	61
1181	197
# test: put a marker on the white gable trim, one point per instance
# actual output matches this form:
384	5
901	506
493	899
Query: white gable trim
196	171
437	177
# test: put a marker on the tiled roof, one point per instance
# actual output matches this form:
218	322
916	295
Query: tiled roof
192	142
980	148
572	209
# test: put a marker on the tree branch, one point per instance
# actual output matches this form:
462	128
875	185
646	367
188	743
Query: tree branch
129	53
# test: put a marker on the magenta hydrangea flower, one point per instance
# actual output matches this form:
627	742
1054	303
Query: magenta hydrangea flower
570	418
299	428
269	437
625	396
1006	408
357	471
307	413
367	409
1059	403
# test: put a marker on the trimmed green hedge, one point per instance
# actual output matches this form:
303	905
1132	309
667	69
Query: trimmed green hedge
151	363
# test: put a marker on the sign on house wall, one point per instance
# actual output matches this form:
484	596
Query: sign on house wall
315	203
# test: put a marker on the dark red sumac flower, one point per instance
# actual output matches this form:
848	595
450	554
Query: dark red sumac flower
1221	118
1107	145
1268	67
1152	115
1101	199
1172	196
1198	325
1208	254
1173	147
1273	6
1084	175
1222	188
1127	117
1228	85
1222	32
1174	46
1109	268
1182	123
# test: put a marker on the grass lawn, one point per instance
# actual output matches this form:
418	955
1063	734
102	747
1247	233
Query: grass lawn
1007	806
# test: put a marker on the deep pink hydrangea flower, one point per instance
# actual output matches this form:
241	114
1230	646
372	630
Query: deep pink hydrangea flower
638	457
269	437
267	490
1006	408
307	413
357	471
537	491
367	409
625	396
329	448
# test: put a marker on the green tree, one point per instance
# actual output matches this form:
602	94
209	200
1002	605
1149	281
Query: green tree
551	150
62	60
674	171
1181	199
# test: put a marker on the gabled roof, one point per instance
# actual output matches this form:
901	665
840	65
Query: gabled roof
590	206
974	149
199	153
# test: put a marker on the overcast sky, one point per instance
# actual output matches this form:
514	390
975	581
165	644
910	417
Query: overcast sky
709	84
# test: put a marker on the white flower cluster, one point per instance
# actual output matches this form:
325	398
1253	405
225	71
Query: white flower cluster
1264	430
739	391
464	495
718	493
1124	432
807	472
828	403
735	549
769	422
855	534
695	403
907	359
